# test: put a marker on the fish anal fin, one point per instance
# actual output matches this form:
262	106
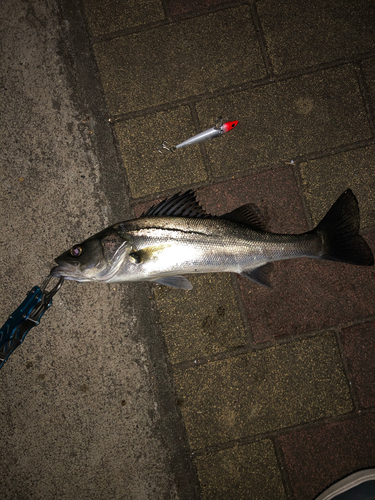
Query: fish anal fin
248	215
260	275
179	282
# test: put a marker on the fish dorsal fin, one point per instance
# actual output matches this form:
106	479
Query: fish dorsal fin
249	215
179	205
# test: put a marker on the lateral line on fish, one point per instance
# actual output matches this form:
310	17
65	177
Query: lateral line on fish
178	230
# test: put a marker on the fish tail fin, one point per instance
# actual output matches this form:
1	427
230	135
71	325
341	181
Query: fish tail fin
339	230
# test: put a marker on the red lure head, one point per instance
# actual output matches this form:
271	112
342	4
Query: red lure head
227	126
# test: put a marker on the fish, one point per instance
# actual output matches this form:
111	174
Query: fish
219	129
178	237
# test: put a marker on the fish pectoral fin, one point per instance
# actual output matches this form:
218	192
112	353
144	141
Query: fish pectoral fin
248	215
179	282
260	275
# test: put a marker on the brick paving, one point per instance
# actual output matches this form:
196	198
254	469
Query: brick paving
276	387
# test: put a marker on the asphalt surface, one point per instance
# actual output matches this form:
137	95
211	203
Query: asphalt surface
229	390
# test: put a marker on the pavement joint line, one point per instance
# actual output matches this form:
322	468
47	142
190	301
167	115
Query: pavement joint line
271	435
239	351
297	160
241	306
203	151
306	209
283	468
289	339
168	20
261	39
204	11
166	9
130	31
364	90
344	362
359	321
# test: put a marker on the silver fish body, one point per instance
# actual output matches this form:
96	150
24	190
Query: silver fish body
177	237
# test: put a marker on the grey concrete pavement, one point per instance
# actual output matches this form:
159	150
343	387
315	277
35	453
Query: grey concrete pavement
86	404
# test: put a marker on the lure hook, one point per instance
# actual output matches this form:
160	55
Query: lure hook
164	146
220	122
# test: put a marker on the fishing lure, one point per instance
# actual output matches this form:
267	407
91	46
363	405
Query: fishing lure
221	127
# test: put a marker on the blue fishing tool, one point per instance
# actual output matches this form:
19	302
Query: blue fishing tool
25	317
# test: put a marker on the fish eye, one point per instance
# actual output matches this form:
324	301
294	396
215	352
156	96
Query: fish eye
76	251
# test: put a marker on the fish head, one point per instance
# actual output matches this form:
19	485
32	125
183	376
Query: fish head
96	259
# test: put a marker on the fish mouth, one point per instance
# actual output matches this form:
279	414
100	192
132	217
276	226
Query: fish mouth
64	270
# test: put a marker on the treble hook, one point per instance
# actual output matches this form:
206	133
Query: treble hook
220	122
164	146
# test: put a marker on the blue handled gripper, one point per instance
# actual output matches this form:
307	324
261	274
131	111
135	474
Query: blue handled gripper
25	317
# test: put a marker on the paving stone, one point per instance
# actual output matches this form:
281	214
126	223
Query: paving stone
233	473
299	34
147	170
262	391
369	70
282	120
179	60
309	295
202	321
108	16
178	7
325	179
359	348
321	455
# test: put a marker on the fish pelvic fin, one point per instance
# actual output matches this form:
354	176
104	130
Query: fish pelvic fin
260	275
339	230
